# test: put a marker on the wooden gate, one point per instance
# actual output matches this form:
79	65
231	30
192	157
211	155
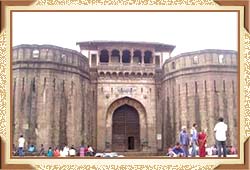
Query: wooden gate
125	129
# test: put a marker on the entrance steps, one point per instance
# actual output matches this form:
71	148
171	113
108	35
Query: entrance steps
134	153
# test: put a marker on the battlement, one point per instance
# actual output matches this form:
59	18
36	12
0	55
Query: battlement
208	57
48	56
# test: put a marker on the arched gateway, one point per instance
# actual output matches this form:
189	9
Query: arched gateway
125	129
126	126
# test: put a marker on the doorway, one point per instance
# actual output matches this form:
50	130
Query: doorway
125	129
131	143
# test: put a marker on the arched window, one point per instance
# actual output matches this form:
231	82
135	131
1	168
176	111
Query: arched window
104	57
115	56
137	57
148	57
126	56
102	74
114	74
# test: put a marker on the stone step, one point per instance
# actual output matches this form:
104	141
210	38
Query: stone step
140	154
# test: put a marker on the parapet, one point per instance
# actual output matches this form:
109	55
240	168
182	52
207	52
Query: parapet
48	55
208	57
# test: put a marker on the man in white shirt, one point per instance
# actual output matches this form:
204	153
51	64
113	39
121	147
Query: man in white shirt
220	130
21	142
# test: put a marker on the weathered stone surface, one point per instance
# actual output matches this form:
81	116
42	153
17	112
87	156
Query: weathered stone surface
61	96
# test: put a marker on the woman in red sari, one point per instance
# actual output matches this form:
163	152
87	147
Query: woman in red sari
202	139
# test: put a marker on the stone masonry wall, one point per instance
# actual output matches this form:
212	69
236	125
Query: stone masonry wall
200	92
58	99
50	96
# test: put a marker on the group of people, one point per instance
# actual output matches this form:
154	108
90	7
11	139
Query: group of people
56	152
181	149
195	139
66	151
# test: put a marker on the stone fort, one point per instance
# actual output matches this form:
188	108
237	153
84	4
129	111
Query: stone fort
121	96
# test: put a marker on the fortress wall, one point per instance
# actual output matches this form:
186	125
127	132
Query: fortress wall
200	92
50	94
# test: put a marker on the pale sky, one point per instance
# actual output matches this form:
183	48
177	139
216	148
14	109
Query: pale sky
188	31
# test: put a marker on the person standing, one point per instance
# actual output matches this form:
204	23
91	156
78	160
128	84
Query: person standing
21	142
184	140
42	151
220	130
194	139
82	151
202	139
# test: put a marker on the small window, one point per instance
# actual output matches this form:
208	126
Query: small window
173	65
35	53
93	59
221	59
63	56
195	60
157	60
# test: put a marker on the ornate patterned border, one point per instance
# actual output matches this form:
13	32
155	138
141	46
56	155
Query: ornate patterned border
247	83
130	167
3	54
125	2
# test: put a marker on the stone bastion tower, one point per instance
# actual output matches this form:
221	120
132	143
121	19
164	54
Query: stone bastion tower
121	96
51	94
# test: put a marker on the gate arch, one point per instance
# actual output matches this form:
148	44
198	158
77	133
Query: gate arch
141	112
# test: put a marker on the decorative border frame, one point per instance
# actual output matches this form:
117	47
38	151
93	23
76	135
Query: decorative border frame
143	3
